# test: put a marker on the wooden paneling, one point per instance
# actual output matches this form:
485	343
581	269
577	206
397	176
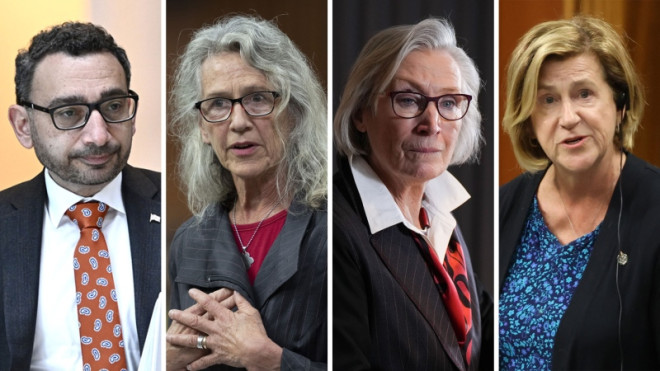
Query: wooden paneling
637	19
305	22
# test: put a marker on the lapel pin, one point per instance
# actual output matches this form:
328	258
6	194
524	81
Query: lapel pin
154	218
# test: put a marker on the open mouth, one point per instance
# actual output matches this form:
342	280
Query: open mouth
571	141
242	145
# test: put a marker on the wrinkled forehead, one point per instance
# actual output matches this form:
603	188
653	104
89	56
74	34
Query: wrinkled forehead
228	74
430	71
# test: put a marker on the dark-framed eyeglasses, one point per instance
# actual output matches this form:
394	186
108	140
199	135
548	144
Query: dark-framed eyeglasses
409	105
74	116
218	109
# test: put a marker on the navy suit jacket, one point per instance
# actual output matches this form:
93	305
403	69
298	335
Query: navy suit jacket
21	220
387	311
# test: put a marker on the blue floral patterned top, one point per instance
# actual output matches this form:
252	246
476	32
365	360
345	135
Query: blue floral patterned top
537	291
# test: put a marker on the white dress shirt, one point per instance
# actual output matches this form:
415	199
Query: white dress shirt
57	338
441	196
152	353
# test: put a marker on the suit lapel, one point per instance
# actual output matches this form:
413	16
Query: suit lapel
211	258
142	202
401	256
281	262
22	241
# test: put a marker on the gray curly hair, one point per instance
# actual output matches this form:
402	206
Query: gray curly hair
302	173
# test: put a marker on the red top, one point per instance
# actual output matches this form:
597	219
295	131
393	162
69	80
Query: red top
261	242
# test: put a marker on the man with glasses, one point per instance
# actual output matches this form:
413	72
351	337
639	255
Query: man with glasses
63	305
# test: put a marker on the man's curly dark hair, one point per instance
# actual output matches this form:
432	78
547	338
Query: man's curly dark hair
72	38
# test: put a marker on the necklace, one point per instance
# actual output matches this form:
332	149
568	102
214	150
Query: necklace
561	199
566	211
247	259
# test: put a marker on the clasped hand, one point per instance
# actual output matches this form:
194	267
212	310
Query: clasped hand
235	338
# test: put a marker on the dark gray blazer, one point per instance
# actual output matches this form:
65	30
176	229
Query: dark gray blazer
290	290
21	220
387	311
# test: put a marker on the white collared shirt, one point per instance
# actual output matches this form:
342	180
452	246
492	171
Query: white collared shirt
57	339
441	196
152	353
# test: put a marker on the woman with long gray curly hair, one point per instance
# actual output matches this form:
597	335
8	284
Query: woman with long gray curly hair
249	269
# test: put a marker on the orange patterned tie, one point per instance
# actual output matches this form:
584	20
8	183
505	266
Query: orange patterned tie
98	314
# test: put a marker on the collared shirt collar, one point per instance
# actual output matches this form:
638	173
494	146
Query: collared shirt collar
60	199
442	195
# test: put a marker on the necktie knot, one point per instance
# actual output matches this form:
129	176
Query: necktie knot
88	214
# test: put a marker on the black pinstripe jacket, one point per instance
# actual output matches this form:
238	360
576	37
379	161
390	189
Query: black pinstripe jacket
387	311
290	290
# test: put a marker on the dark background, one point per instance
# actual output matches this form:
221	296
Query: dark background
305	22
354	22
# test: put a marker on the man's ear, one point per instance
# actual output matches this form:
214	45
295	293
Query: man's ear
20	122
134	129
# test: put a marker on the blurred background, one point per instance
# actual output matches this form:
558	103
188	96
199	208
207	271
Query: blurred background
638	20
354	22
135	25
305	22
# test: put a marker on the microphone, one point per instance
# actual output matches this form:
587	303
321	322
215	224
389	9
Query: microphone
622	258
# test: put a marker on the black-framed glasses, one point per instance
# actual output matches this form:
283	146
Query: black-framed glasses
217	109
409	105
74	116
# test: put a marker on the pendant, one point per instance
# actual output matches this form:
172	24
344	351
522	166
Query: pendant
247	259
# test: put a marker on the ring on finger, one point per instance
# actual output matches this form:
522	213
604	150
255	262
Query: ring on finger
201	342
